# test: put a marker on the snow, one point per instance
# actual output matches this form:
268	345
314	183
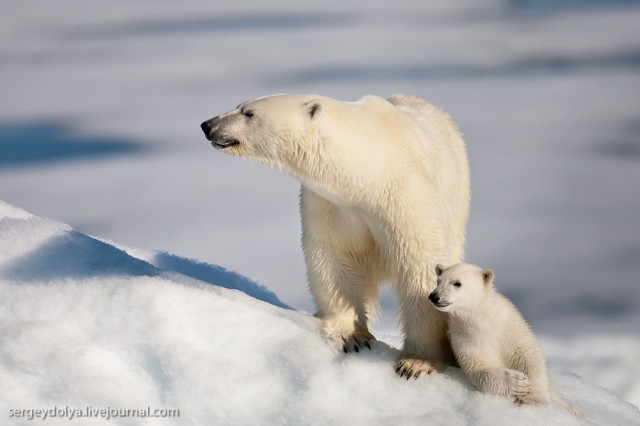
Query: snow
99	128
109	330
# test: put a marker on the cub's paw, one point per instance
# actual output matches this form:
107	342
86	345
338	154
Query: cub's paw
413	368
527	399
353	342
517	384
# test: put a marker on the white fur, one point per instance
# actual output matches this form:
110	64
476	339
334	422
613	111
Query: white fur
385	186
493	344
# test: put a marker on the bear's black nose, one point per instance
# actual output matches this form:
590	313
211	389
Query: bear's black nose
434	297
206	128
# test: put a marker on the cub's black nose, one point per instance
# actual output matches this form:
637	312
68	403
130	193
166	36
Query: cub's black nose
434	298
206	128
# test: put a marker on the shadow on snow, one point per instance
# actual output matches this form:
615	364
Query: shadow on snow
216	275
43	142
527	67
77	256
244	23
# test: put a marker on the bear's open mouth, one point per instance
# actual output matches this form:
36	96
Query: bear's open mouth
225	143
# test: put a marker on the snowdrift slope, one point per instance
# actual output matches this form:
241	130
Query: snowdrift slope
83	323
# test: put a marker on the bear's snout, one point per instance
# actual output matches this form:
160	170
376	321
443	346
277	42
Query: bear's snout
440	303
206	128
212	131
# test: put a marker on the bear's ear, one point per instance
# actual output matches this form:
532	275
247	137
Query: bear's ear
440	269
314	109
487	276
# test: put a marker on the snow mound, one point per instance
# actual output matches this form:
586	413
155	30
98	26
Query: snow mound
85	325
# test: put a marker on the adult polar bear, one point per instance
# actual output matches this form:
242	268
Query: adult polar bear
384	198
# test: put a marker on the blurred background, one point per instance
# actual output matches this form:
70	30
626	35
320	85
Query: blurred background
102	101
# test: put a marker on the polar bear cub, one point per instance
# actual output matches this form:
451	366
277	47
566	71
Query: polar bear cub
491	341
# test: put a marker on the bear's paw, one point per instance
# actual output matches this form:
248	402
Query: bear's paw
413	368
517	383
355	341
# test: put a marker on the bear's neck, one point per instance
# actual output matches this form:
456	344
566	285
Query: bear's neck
342	174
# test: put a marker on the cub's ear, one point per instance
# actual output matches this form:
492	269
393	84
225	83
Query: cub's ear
313	109
487	276
440	269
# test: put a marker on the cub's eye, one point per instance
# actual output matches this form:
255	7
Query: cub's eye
438	280
457	284
248	114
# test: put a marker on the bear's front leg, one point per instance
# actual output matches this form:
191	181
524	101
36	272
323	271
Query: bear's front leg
340	292
426	345
347	337
339	254
341	308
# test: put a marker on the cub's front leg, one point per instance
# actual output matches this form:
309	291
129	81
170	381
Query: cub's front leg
501	381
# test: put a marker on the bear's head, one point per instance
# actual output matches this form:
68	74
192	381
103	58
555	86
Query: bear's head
280	131
460	287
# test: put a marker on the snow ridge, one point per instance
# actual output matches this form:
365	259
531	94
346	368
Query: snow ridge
84	323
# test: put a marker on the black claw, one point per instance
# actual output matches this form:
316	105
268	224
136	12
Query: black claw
356	348
398	368
408	375
366	343
344	348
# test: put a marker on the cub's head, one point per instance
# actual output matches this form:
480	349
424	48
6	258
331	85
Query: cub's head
460	287
275	130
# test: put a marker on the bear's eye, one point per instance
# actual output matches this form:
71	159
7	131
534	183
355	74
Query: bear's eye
248	114
457	284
